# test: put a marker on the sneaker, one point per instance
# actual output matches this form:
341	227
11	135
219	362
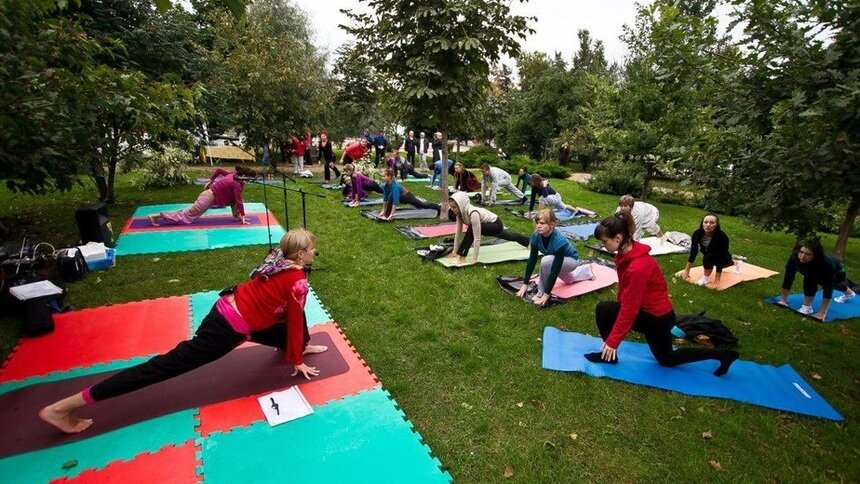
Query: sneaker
844	298
583	273
805	310
703	281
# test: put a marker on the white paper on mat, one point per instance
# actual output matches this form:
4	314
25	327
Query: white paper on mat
285	405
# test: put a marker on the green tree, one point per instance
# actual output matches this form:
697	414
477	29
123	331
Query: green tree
435	56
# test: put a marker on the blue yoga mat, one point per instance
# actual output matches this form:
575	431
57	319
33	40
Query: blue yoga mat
781	388
848	310
578	232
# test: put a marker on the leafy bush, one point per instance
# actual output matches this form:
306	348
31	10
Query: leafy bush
165	168
618	178
479	155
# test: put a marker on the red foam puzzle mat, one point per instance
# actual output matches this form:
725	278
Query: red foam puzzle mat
102	335
241	412
171	464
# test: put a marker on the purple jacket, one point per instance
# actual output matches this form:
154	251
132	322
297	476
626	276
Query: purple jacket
357	187
227	190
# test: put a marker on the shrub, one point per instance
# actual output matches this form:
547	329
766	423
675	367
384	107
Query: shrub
479	155
165	168
618	178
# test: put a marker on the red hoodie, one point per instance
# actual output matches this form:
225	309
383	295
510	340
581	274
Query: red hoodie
641	287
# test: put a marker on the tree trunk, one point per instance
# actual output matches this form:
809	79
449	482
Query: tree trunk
101	185
845	229
458	150
110	180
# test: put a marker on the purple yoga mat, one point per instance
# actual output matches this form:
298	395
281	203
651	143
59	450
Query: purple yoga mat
242	372
211	221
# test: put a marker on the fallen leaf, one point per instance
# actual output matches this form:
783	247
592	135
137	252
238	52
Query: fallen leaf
173	280
520	404
573	436
69	464
539	340
716	465
509	472
156	259
539	404
816	376
547	445
707	435
683	409
466	406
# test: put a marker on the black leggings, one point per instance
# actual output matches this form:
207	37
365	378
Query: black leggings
720	261
658	335
496	229
840	282
411	199
329	165
213	339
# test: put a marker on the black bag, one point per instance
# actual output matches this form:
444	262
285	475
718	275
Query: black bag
38	317
698	325
71	265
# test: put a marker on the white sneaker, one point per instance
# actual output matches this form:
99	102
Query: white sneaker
703	281
805	310
844	298
583	273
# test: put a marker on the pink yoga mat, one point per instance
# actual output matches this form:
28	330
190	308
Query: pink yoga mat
438	230
603	277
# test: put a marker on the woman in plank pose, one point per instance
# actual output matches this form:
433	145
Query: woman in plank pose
478	221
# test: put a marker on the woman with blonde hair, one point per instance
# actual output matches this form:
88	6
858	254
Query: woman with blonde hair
267	309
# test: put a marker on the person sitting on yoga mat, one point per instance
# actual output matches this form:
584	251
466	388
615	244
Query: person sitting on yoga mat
715	250
478	221
359	185
817	269
393	193
644	215
224	189
542	191
495	178
643	303
465	180
267	309
560	260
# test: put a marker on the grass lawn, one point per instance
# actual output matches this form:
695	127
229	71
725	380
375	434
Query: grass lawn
463	359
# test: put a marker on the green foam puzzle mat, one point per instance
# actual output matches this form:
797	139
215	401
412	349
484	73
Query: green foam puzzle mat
361	438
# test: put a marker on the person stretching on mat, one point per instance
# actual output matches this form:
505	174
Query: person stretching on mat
817	269
359	185
465	180
560	260
393	193
478	221
224	188
268	309
495	178
548	196
644	215
643	303
525	177
715	250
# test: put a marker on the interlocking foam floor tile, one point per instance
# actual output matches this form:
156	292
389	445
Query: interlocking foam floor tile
99	451
201	304
101	335
171	464
361	438
198	239
244	411
144	210
315	312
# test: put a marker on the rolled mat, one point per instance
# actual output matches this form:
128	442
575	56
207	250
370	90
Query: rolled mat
658	247
846	310
780	388
729	277
242	372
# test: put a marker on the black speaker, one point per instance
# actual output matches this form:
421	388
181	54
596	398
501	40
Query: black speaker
94	224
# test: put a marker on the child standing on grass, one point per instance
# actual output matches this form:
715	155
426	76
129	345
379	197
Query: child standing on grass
478	221
268	309
393	193
548	196
817	269
643	303
560	260
714	243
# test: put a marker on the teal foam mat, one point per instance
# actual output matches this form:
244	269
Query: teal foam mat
315	312
236	236
145	210
197	239
361	438
96	453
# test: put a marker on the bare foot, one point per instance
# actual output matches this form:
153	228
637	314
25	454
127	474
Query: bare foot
67	422
313	349
153	219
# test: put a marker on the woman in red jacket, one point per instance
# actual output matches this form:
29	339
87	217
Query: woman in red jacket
643	303
268	309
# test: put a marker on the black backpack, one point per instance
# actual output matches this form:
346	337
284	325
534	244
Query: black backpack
71	264
698	324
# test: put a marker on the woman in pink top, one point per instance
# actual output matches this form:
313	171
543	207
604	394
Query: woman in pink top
223	189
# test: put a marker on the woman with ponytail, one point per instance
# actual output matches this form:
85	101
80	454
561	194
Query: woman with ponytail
643	303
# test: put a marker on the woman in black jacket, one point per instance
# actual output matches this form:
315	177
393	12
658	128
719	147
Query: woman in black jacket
715	250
